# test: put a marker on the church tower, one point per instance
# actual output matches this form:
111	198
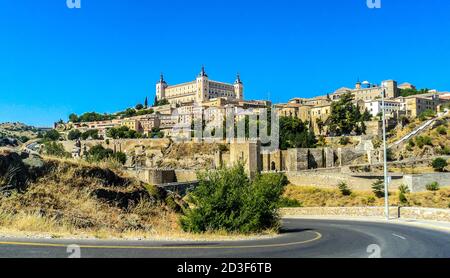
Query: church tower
161	88
239	88
202	87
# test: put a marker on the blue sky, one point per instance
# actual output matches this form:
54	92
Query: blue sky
107	55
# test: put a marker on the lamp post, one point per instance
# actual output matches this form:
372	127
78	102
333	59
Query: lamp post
386	182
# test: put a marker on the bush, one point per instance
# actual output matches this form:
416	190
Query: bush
402	198
445	150
92	134
439	164
423	140
290	203
52	135
99	153
74	135
345	190
427	114
403	189
434	186
344	141
378	188
24	139
55	149
226	200
442	130
402	195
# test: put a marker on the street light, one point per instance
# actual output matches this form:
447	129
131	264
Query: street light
386	191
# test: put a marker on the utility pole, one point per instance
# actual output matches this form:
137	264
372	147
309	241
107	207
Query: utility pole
386	182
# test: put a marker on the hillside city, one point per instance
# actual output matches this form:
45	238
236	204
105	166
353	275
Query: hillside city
133	174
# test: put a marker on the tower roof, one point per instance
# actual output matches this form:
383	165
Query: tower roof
161	79
203	72
238	79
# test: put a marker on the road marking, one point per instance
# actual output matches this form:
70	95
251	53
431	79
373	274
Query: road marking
37	244
404	238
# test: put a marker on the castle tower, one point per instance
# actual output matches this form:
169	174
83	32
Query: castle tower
202	87
161	88
239	88
391	88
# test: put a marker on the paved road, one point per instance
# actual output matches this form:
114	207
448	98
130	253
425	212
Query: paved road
300	239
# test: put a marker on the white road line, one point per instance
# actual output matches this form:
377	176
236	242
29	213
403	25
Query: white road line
404	238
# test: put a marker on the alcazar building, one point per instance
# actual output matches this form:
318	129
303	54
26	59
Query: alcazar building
201	90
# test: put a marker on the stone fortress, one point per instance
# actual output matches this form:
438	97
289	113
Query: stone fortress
200	90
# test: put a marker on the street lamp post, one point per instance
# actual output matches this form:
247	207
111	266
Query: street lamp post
386	182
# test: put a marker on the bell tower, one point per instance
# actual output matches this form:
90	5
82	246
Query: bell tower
161	88
202	86
239	88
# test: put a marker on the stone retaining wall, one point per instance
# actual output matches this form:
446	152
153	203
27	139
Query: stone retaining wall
332	177
339	211
395	212
418	183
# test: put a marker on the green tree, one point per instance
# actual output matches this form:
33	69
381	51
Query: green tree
99	153
24	139
346	117
73	118
295	134
139	106
439	164
93	134
345	190
53	148
74	134
378	188
161	102
226	200
52	135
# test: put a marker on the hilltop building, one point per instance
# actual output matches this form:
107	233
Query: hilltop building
201	90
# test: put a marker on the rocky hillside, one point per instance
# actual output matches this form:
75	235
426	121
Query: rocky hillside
72	198
434	141
18	131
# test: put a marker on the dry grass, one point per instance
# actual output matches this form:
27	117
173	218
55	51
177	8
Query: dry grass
64	203
317	197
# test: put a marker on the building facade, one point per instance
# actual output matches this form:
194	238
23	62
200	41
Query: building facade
200	90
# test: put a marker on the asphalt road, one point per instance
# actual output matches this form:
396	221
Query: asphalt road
300	239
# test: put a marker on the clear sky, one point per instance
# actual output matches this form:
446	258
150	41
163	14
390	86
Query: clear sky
108	55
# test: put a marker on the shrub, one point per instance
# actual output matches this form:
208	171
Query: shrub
403	189
402	198
226	200
445	150
290	203
344	141
74	135
52	135
423	140
411	143
99	153
434	186
442	130
55	149
402	195
439	164
24	139
378	188
345	190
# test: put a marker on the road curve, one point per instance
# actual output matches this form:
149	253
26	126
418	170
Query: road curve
301	238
